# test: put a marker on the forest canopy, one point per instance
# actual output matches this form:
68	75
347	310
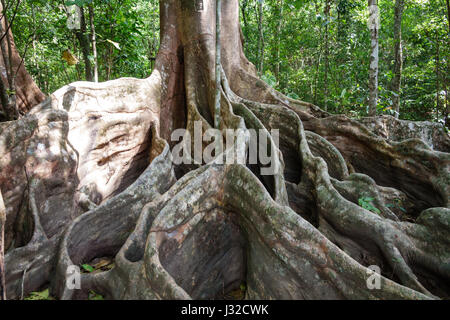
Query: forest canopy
314	50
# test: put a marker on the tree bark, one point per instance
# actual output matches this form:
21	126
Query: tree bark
2	249
18	91
447	104
93	41
437	61
373	69
261	44
327	52
83	40
244	19
398	54
94	175
278	43
218	66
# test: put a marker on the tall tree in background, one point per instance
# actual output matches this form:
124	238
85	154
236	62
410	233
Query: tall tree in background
83	39
218	66
261	43
93	40
447	77
327	51
280	4
437	62
2	248
398	53
374	59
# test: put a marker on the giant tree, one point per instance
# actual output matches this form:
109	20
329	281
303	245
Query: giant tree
90	173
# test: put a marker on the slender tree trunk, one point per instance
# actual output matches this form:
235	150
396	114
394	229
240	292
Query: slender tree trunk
218	66
93	41
244	19
316	76
398	53
74	48
374	59
447	106
438	87
2	248
261	44
278	37
34	41
83	39
327	53
448	14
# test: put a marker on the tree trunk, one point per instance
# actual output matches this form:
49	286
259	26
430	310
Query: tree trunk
373	69
398	53
218	66
437	61
327	52
261	44
278	37
244	19
18	91
2	249
83	40
93	41
447	79
107	184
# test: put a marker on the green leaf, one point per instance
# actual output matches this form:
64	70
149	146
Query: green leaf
87	267
366	203
43	295
95	296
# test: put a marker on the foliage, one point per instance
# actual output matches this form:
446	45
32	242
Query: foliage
302	59
95	296
128	39
366	203
88	267
43	295
397	205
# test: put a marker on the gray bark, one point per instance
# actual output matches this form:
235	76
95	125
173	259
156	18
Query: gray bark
398	54
218	66
278	45
373	68
83	40
261	45
93	41
2	249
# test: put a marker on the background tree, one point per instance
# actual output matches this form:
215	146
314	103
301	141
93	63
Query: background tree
93	41
374	57
2	249
398	53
